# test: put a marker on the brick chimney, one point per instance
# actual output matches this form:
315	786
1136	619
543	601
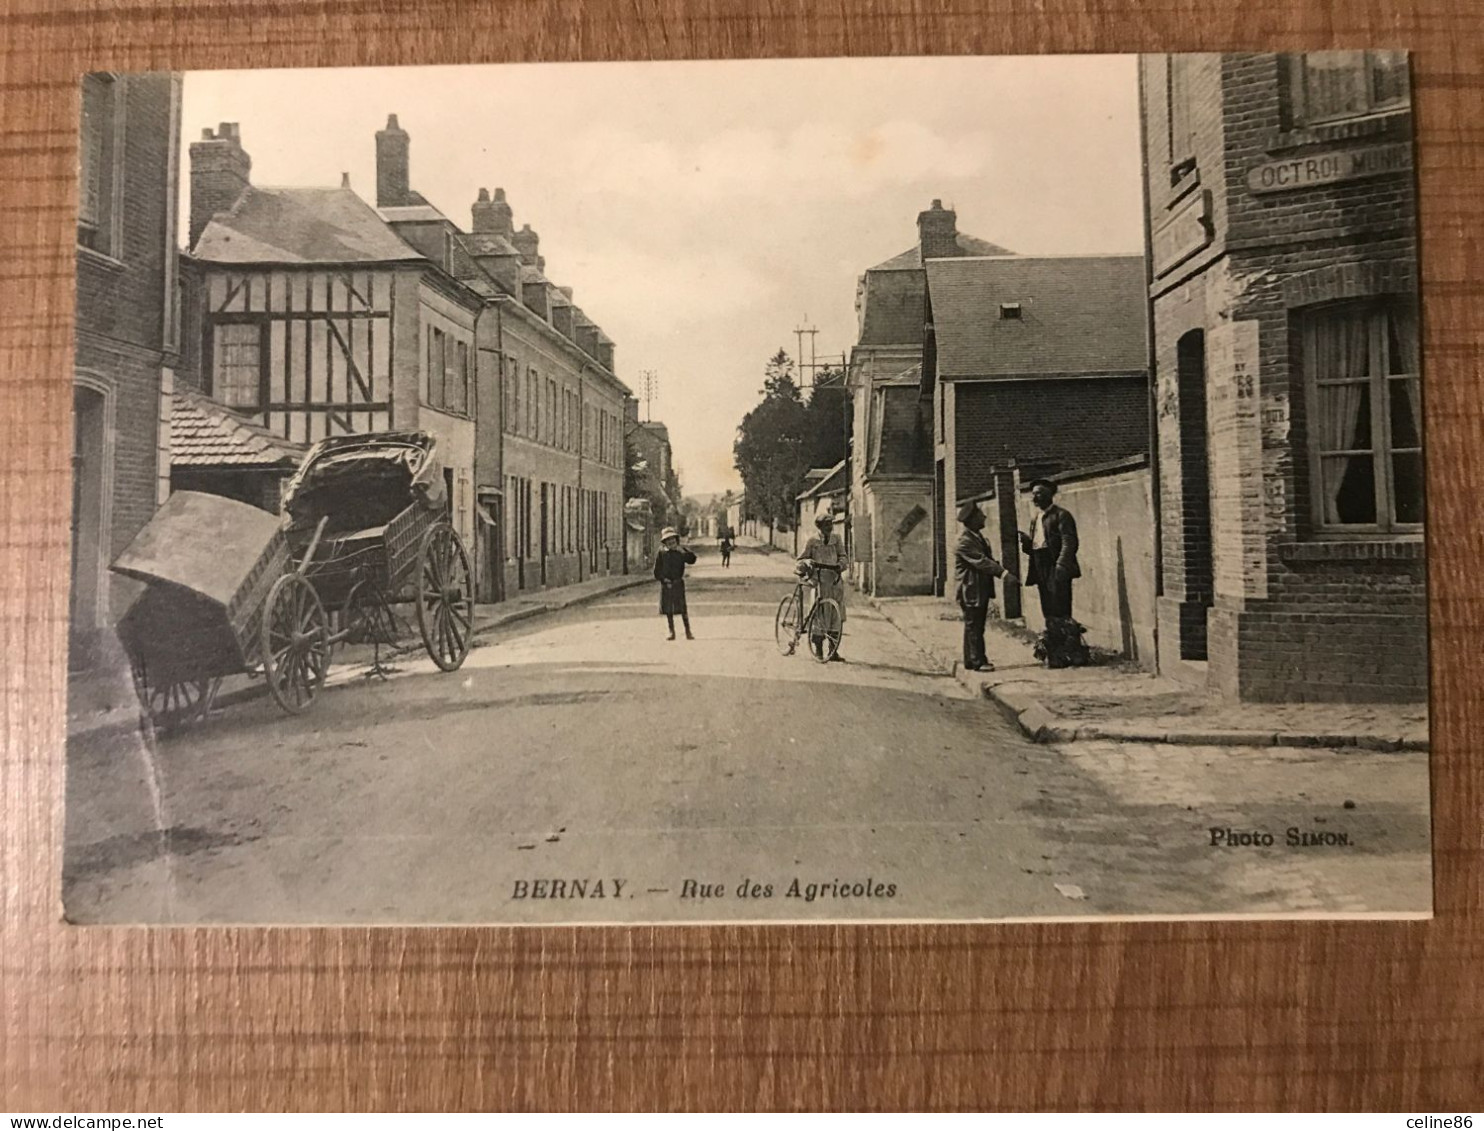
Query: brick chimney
493	217
392	185
937	232
220	172
527	243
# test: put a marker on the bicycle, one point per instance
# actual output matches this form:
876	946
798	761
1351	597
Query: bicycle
824	623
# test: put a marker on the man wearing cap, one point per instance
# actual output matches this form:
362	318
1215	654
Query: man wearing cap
975	569
1052	547
826	549
669	571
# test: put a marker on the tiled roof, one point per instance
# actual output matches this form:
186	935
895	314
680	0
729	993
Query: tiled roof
904	441
833	479
893	310
967	245
487	243
301	225
414	213
1079	314
205	433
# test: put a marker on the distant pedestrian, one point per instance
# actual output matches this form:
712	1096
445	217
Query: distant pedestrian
975	569
1052	548
827	549
726	551
669	571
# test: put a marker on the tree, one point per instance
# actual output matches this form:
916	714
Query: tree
829	418
774	446
633	470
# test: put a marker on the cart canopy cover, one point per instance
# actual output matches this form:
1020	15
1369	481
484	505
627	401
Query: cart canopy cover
203	543
364	481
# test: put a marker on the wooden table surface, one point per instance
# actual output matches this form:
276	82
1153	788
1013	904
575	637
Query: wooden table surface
1188	1015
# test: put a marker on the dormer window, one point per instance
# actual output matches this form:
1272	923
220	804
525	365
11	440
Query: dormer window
1010	312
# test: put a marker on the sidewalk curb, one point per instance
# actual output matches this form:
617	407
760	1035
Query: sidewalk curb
1043	726
556	606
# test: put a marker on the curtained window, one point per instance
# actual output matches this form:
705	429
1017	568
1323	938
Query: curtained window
1332	85
1361	366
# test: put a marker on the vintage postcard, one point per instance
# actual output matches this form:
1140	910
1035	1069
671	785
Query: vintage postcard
971	489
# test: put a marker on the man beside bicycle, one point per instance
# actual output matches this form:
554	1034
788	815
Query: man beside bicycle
825	560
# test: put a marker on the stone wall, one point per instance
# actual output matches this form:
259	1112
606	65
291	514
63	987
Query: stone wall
1114	510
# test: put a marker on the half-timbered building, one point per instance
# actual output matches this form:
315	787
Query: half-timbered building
317	319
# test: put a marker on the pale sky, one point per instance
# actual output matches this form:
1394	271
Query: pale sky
701	210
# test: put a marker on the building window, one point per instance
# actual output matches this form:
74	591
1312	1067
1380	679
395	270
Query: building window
237	365
1010	312
1332	85
436	394
1181	118
512	421
97	164
1365	413
456	383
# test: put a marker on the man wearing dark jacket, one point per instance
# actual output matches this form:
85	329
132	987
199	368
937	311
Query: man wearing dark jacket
975	569
1052	548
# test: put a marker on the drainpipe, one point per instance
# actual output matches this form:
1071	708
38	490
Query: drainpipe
581	445
1154	471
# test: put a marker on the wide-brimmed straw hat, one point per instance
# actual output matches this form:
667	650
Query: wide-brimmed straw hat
667	533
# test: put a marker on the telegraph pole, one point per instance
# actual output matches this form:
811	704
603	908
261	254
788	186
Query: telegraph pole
651	391
811	368
799	332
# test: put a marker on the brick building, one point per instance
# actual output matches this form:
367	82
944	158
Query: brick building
891	465
1282	247
1037	364
127	332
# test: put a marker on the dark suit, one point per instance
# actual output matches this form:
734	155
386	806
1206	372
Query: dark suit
669	571
974	568
1054	565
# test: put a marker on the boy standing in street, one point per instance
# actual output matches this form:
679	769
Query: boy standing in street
669	571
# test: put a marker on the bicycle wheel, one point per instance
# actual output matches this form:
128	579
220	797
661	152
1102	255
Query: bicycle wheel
826	623
786	625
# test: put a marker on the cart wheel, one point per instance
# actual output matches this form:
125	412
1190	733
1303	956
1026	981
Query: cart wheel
445	597
295	643
176	704
367	616
786	625
825	627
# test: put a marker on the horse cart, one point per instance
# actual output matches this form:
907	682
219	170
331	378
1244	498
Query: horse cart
231	589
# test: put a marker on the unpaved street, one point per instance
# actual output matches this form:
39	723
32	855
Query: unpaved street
582	768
